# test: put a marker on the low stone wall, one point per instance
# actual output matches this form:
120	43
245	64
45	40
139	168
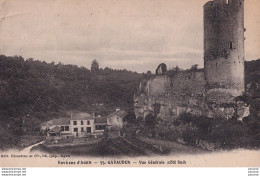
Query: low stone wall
74	143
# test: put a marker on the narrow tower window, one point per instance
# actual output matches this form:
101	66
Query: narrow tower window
230	45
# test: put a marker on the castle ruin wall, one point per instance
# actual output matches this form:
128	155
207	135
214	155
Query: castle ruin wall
215	91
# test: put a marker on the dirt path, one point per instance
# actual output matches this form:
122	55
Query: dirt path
28	149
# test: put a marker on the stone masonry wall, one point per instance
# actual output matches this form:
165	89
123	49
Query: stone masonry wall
224	46
181	92
185	92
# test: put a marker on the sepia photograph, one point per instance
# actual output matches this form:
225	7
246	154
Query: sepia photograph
133	83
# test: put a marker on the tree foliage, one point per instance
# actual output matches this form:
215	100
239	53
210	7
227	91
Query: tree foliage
33	91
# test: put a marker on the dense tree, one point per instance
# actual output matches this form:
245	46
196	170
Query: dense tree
32	91
194	67
94	66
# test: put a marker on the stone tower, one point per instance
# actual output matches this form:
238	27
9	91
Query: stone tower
224	49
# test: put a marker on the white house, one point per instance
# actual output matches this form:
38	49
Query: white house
82	124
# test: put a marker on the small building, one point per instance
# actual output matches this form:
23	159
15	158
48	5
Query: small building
116	119
62	123
100	125
56	131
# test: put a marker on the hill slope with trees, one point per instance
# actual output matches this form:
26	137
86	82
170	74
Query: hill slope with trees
33	91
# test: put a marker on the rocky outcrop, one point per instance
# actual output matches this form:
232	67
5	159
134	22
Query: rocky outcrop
167	96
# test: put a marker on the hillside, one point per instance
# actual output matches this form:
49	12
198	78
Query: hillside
33	91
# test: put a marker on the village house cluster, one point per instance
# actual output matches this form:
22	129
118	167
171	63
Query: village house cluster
84	124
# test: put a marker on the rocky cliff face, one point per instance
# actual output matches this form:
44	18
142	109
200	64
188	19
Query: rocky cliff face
167	96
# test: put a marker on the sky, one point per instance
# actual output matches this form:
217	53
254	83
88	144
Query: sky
135	35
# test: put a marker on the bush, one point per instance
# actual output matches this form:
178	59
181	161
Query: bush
188	132
228	134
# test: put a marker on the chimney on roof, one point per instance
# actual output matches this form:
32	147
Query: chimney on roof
93	115
70	115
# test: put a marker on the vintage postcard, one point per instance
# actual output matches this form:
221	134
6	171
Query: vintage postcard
129	83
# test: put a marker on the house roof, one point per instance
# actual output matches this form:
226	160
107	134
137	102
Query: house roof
100	120
82	116
55	129
120	113
60	121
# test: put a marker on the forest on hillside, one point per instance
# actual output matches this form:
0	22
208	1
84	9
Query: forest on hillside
33	91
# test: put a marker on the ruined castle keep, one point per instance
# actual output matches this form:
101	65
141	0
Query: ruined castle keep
214	91
224	47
